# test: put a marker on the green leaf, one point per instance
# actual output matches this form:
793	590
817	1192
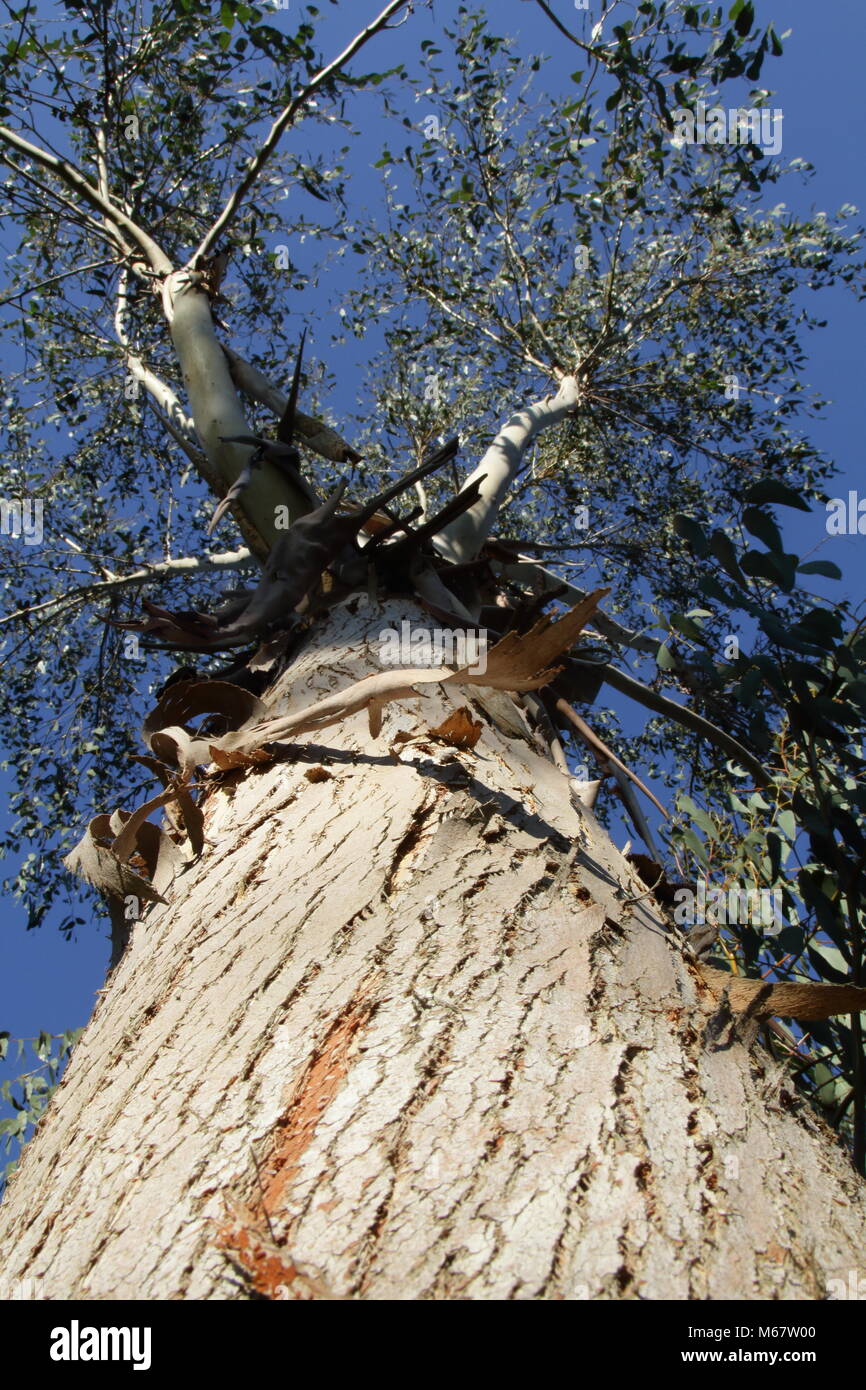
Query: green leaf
686	626
825	567
830	964
778	569
770	490
788	824
695	845
772	861
692	533
699	816
762	525
723	549
744	19
711	588
825	1085
791	941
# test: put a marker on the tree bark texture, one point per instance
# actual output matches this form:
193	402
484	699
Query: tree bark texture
410	1028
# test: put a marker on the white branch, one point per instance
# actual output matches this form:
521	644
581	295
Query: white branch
178	422
151	574
219	417
462	540
314	434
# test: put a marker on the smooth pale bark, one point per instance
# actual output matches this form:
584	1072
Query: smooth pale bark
463	538
404	1031
218	414
312	433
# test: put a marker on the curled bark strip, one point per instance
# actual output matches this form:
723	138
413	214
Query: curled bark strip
160	853
517	662
96	862
101	856
186	700
190	814
175	743
126	842
228	759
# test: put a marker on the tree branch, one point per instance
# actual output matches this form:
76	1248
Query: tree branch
219	417
76	216
182	427
315	434
587	48
688	718
53	280
66	173
462	540
151	574
285	118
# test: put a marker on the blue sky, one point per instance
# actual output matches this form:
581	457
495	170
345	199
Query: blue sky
48	983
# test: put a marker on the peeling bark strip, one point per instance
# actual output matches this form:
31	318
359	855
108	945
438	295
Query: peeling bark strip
400	1034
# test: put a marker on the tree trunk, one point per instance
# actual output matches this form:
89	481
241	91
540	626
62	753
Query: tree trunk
405	1031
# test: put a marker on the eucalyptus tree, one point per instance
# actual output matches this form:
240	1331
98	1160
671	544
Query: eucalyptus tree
388	1013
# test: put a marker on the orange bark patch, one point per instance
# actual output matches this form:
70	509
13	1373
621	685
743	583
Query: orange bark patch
775	1253
267	1272
249	1239
318	774
313	1094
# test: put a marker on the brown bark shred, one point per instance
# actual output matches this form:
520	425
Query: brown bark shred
766	999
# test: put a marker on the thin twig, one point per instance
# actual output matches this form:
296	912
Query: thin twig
285	118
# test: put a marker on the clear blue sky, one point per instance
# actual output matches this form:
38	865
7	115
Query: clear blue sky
48	983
